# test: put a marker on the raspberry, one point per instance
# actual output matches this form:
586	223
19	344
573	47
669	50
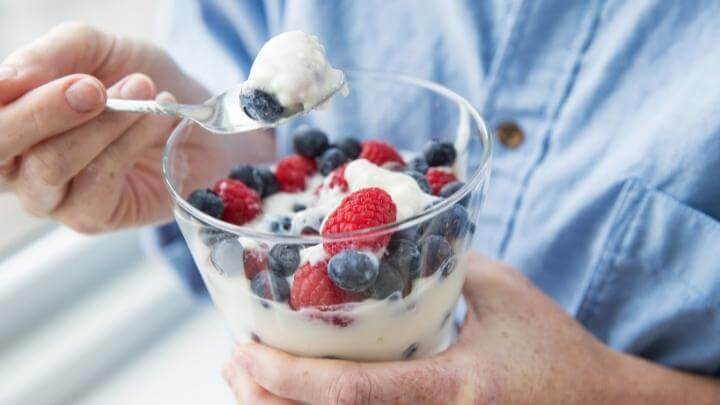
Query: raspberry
438	178
254	261
362	209
312	287
292	171
242	203
380	153
337	179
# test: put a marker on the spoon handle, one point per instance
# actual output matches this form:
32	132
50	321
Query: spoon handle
153	107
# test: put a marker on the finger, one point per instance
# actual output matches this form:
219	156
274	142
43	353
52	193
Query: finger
58	159
48	166
49	110
247	391
104	197
322	381
68	48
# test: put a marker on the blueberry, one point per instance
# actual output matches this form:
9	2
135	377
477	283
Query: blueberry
353	271
404	256
297	207
269	286
435	251
421	181
207	201
227	257
310	142
451	223
350	146
440	154
284	259
330	160
412	234
261	105
249	175
452	188
388	282
211	236
418	164
270	182
410	351
281	225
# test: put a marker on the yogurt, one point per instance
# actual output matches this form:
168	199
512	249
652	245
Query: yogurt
293	67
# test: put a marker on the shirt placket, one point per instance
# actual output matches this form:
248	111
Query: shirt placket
537	62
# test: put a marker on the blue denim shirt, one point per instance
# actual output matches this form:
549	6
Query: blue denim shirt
611	202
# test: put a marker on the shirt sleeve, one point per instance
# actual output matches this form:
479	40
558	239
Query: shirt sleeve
213	41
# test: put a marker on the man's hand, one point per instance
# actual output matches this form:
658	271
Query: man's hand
65	156
517	346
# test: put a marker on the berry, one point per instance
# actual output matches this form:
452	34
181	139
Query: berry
270	182
337	179
435	251
380	153
440	154
404	256
207	201
451	223
227	257
254	261
242	203
353	271
310	142
388	282
438	178
452	188
260	105
284	259
418	164
211	236
421	181
281	225
297	207
412	234
350	146
249	175
269	286
292	171
365	208
330	160
312	287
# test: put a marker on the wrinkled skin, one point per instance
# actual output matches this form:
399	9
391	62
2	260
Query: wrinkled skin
67	158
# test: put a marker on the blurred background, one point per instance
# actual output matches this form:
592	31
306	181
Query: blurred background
96	320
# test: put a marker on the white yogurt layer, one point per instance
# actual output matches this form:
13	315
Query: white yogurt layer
409	199
293	66
377	330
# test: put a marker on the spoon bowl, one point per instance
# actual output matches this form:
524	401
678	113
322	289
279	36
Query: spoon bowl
221	114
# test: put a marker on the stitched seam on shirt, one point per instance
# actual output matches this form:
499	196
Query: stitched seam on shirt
569	84
627	206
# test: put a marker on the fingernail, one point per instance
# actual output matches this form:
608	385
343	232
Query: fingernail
84	95
165	97
136	87
7	71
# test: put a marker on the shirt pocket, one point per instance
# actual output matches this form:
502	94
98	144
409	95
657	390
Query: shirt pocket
655	289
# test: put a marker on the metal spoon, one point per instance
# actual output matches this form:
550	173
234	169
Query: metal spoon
221	114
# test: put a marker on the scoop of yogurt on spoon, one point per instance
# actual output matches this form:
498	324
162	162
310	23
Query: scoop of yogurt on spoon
290	74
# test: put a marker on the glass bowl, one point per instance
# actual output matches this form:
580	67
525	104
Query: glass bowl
404	111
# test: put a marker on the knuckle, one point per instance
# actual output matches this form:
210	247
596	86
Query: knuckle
47	166
81	226
352	387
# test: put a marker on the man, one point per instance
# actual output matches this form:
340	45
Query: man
605	190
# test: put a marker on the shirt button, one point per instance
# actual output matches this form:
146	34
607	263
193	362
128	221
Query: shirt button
510	134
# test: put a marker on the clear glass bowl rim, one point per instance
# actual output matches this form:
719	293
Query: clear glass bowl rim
471	183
